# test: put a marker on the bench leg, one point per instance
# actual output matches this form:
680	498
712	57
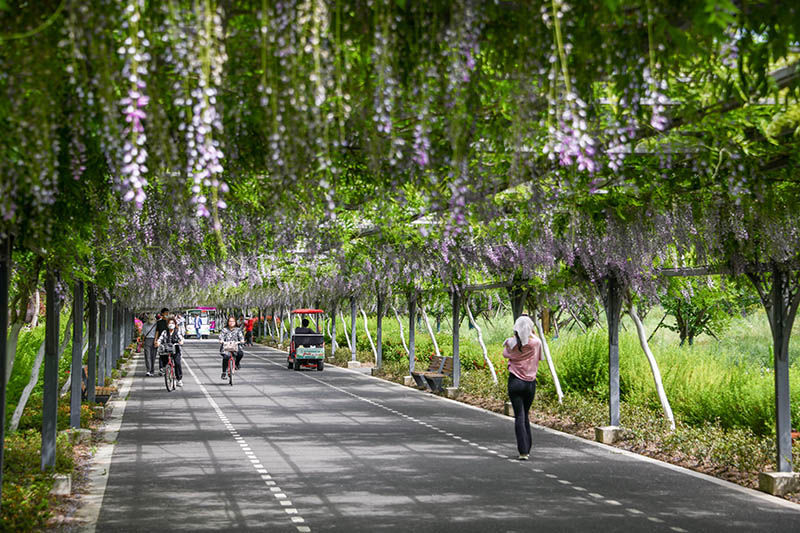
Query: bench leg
419	381
435	383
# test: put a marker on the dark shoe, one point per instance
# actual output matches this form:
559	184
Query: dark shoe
224	375
161	372
238	366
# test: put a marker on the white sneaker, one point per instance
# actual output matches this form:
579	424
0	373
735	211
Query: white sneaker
180	383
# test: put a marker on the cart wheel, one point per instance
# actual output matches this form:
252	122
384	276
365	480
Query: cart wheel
320	365
296	364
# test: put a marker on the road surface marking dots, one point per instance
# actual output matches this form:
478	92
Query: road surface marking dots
463	440
678	529
654	519
279	495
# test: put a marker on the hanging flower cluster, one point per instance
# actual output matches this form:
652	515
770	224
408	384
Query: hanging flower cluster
134	153
205	129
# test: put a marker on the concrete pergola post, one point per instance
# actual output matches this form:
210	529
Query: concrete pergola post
116	331
412	324
782	318
5	279
333	330
102	328
91	371
50	396
379	334
456	327
353	361
109	345
76	371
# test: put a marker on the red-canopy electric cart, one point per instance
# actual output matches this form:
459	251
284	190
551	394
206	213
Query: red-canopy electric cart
307	348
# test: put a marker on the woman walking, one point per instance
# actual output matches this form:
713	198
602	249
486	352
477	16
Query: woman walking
523	351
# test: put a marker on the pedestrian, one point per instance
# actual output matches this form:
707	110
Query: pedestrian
161	326
172	337
248	336
198	324
523	351
181	324
149	329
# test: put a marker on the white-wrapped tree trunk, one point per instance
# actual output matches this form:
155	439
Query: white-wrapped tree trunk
369	337
402	335
430	331
546	350
344	328
480	340
662	395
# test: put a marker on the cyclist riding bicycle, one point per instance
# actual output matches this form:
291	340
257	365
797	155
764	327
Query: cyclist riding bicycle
230	334
172	337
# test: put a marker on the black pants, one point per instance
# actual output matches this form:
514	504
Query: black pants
521	394
227	355
176	360
149	354
248	338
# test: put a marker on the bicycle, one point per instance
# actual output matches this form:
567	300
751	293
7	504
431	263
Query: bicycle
169	369
231	367
232	359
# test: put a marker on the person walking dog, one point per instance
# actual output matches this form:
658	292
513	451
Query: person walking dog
523	351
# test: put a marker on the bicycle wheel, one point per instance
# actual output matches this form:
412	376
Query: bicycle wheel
169	376
231	369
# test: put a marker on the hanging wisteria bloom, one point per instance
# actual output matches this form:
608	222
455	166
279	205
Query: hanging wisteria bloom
134	153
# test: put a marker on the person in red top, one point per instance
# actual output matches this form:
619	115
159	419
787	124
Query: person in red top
523	351
248	327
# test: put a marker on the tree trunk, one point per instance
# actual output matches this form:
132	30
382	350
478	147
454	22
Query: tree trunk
369	337
11	347
344	328
430	331
546	350
77	356
662	395
480	341
400	324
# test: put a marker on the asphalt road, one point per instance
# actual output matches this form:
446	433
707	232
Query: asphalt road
284	450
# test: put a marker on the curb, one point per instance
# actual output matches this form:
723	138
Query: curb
91	503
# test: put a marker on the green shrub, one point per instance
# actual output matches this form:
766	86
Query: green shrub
26	488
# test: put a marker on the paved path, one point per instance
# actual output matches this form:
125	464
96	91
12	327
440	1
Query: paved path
340	451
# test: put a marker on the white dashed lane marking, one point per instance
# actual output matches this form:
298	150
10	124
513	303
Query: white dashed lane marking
276	491
462	440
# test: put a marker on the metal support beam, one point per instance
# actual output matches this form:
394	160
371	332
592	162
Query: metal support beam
783	314
456	325
379	334
116	332
50	396
333	330
612	301
353	328
76	373
91	356
109	341
102	329
5	279
412	322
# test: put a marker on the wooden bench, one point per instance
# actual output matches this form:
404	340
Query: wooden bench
433	377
